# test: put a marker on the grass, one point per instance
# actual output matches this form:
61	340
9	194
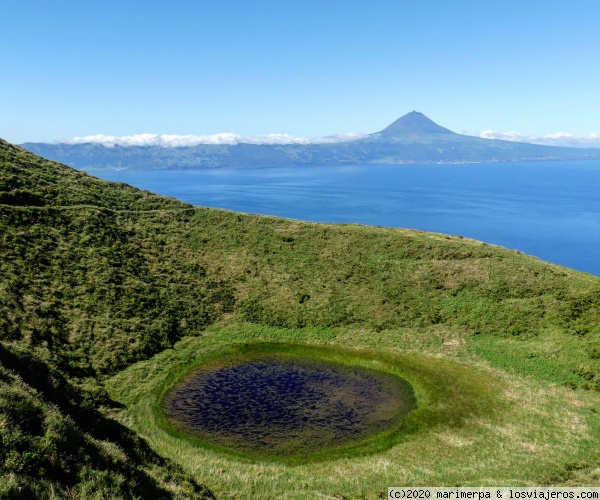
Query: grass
105	290
474	424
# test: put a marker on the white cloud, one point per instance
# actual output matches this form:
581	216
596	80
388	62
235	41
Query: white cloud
555	139
173	141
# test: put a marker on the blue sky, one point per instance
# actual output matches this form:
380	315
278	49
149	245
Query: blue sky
307	68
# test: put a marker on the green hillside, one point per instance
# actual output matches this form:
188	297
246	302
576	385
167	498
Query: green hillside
100	280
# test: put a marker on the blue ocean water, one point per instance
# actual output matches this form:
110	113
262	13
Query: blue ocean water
547	209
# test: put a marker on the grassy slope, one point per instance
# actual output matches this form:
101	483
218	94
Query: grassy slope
475	424
97	276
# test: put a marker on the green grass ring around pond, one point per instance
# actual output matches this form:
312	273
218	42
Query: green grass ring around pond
444	394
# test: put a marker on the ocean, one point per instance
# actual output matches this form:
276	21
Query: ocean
547	209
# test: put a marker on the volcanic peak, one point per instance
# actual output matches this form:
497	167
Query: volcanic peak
413	123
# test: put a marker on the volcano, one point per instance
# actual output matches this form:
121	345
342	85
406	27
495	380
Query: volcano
413	123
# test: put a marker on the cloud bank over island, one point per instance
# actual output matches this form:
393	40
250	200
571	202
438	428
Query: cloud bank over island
225	138
556	139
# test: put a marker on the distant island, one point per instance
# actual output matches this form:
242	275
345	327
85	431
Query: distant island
413	138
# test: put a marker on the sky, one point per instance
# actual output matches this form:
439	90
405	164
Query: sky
526	70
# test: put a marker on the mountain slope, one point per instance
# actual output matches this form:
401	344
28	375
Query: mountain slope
56	438
28	180
413	138
413	123
96	277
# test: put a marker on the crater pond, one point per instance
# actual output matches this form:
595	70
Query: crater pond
547	209
282	405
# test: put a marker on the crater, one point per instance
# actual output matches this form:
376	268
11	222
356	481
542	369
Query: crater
273	404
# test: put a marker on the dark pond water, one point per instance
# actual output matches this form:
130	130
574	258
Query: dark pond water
284	405
547	209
